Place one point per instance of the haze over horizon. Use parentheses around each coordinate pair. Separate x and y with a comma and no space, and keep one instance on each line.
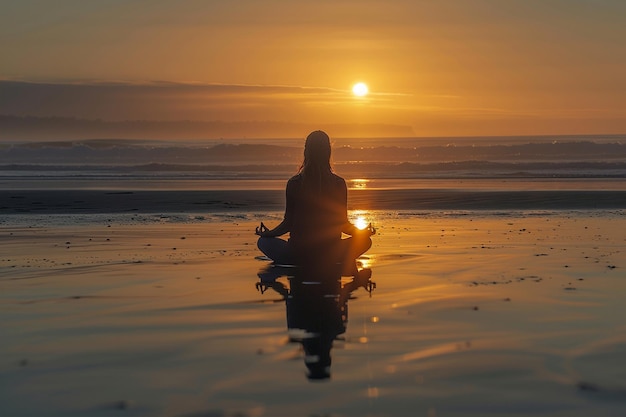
(279,69)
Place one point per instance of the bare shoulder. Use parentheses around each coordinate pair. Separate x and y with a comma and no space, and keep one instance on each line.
(339,180)
(295,179)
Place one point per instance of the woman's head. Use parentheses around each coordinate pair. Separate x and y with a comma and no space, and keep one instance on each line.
(317,152)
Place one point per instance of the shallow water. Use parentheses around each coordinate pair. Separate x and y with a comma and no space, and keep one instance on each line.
(499,313)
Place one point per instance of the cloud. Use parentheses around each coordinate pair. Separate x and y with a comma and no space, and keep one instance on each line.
(178,110)
(151,100)
(16,128)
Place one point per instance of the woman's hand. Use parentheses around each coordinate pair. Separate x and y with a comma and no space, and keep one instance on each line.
(262,230)
(352,230)
(279,230)
(368,231)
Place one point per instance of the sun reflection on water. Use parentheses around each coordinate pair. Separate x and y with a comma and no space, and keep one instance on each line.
(360,223)
(364,262)
(359,183)
(360,218)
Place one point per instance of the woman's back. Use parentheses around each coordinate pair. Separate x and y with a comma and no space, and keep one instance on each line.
(316,209)
(316,214)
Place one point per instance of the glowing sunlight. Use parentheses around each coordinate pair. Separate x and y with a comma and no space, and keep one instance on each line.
(360,89)
(360,223)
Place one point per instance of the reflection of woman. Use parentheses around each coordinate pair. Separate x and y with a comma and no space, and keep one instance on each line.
(316,304)
(315,214)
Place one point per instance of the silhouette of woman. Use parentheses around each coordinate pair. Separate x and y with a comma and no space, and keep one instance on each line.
(315,215)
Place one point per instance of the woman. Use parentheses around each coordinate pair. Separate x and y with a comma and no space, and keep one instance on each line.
(315,215)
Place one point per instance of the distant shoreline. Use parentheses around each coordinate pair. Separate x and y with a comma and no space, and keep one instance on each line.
(196,201)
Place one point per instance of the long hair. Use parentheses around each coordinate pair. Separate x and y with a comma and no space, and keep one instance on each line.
(315,168)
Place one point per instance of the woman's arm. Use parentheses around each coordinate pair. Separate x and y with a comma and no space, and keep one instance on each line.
(285,225)
(347,227)
(279,230)
(352,230)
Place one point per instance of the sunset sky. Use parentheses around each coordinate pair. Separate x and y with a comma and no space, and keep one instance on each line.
(434,68)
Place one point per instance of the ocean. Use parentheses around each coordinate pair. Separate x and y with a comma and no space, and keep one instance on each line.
(465,173)
(558,162)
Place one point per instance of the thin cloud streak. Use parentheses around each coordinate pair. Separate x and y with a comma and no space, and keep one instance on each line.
(161,100)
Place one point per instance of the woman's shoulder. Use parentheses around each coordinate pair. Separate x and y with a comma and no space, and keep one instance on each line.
(296,178)
(294,181)
(337,179)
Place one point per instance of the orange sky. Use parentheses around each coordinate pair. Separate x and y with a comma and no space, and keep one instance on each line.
(465,67)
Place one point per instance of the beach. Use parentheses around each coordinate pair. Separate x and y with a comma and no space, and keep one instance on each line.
(474,313)
(131,284)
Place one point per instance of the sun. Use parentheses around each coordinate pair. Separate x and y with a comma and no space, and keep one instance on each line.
(360,89)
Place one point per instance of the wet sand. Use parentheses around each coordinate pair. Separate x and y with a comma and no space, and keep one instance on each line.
(515,313)
(194,201)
